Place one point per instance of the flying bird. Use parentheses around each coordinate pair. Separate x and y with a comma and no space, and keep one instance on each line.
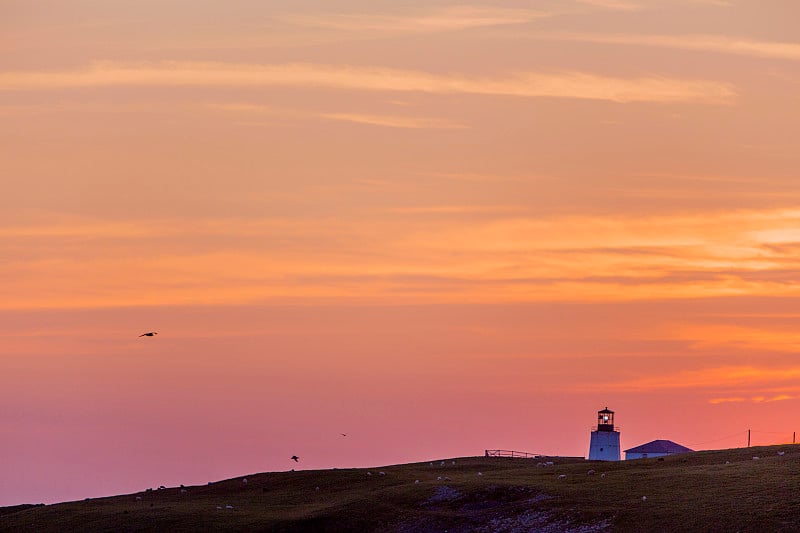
(343,434)
(295,458)
(149,334)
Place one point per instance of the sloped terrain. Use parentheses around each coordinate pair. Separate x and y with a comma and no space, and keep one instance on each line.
(723,490)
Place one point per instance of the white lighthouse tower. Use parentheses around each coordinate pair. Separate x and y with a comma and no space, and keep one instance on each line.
(604,445)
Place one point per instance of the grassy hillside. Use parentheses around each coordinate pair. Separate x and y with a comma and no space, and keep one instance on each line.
(703,491)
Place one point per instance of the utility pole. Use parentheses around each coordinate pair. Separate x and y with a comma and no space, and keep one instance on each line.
(794,434)
(748,438)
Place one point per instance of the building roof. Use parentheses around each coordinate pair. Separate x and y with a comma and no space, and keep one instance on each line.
(660,446)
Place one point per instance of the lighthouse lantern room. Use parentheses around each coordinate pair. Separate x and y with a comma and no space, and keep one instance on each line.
(605,420)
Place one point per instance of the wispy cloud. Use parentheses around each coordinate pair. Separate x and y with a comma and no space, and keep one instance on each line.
(389,121)
(617,5)
(705,43)
(471,177)
(456,209)
(447,18)
(578,85)
(718,3)
(394,121)
(732,336)
(754,399)
(733,399)
(489,252)
(718,378)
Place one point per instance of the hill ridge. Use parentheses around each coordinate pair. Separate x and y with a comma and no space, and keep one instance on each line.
(719,490)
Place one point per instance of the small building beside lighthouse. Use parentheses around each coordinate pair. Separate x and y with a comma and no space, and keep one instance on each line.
(604,445)
(656,448)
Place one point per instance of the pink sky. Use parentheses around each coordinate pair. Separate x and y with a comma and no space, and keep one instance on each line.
(437,227)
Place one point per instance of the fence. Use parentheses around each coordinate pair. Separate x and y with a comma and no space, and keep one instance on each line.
(512,453)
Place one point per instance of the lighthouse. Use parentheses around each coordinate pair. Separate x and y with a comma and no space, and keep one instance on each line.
(604,445)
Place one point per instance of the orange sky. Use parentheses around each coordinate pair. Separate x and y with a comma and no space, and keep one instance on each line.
(438,227)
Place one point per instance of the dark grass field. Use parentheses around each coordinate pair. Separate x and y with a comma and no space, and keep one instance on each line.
(724,491)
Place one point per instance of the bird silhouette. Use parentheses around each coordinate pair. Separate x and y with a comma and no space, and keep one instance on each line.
(343,434)
(149,334)
(295,458)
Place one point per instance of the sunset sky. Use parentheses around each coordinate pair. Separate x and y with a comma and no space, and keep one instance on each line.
(438,227)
